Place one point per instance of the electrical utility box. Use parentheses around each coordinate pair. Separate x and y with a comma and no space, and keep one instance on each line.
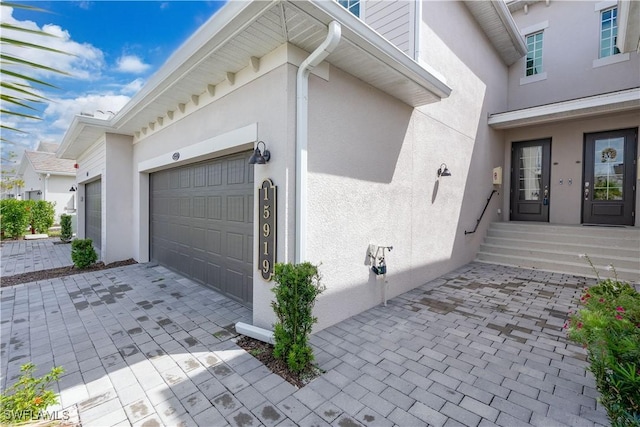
(497,175)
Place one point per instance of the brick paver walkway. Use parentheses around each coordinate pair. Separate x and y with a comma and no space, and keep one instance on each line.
(140,345)
(25,256)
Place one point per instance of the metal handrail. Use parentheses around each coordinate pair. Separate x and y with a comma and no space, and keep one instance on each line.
(482,214)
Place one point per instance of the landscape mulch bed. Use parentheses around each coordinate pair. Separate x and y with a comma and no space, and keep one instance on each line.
(264,353)
(59,272)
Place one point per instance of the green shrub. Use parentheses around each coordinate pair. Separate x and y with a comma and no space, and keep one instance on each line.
(28,397)
(66,233)
(608,325)
(296,291)
(42,215)
(15,217)
(82,253)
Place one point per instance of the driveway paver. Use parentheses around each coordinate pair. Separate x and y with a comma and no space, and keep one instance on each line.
(26,256)
(140,345)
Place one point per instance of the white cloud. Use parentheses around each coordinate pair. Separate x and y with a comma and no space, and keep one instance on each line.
(61,111)
(81,61)
(133,87)
(131,64)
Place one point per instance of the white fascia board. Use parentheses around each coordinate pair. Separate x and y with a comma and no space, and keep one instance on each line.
(222,26)
(617,101)
(76,128)
(510,26)
(232,141)
(56,173)
(365,38)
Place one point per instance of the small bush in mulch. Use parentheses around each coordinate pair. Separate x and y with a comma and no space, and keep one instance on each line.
(59,272)
(264,353)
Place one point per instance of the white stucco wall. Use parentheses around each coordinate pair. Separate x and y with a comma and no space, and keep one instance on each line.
(567,157)
(117,227)
(373,163)
(571,46)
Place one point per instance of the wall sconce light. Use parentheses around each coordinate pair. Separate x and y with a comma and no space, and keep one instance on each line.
(73,188)
(39,193)
(257,158)
(443,171)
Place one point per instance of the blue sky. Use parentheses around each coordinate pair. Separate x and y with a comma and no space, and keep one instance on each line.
(116,47)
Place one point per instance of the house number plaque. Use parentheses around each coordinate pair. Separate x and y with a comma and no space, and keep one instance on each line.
(267,229)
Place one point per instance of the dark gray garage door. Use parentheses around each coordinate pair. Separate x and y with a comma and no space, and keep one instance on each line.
(202,223)
(93,212)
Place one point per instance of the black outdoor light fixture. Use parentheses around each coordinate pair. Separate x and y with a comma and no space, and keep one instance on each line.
(73,188)
(257,158)
(443,171)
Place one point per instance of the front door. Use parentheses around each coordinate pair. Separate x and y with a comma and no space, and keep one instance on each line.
(609,176)
(530,179)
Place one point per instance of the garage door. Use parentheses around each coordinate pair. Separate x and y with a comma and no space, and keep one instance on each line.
(93,212)
(202,223)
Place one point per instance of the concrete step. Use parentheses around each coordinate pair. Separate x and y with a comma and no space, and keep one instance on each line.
(568,236)
(556,254)
(578,269)
(557,248)
(565,247)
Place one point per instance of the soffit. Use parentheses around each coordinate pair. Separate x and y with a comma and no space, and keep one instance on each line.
(497,23)
(241,30)
(614,102)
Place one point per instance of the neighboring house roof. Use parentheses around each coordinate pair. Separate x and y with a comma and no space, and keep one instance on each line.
(48,147)
(242,32)
(44,162)
(496,21)
(614,102)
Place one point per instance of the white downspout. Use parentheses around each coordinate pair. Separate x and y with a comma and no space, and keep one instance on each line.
(46,186)
(302,137)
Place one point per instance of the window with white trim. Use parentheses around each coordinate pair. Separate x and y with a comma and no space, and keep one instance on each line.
(608,32)
(534,54)
(352,6)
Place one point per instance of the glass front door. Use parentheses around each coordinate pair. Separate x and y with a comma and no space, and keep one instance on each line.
(530,197)
(609,176)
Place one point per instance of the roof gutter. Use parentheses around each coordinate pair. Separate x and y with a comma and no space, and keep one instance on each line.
(302,133)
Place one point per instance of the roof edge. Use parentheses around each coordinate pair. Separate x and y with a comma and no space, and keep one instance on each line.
(76,127)
(624,100)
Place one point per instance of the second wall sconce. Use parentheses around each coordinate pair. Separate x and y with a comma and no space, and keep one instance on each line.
(443,171)
(258,158)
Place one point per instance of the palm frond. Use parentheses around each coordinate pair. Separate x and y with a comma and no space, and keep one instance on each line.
(6,26)
(16,113)
(21,43)
(16,60)
(28,78)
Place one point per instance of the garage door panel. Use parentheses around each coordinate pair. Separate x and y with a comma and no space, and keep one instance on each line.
(199,207)
(214,207)
(214,174)
(200,176)
(214,242)
(93,212)
(235,208)
(235,283)
(201,223)
(236,171)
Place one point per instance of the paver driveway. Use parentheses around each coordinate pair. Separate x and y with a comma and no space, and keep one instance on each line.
(482,345)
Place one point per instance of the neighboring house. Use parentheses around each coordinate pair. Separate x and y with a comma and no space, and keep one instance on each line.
(361,115)
(49,178)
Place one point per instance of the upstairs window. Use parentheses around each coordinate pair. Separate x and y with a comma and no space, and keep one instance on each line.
(352,6)
(608,32)
(534,54)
